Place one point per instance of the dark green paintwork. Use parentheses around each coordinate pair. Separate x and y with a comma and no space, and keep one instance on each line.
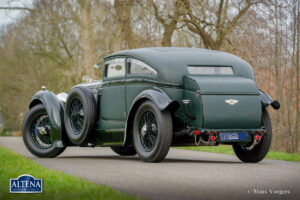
(156,95)
(210,108)
(219,115)
(171,62)
(55,110)
(119,97)
(223,85)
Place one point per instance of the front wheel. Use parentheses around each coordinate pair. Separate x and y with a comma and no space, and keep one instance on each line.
(36,131)
(152,132)
(260,150)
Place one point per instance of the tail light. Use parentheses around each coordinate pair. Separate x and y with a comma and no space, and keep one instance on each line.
(262,133)
(257,137)
(196,132)
(213,138)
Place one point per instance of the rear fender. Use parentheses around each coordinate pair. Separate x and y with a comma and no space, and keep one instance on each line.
(266,100)
(55,111)
(156,95)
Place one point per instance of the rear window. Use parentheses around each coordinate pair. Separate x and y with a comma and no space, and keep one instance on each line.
(210,70)
(138,67)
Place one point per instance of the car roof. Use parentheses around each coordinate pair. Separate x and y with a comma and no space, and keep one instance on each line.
(171,62)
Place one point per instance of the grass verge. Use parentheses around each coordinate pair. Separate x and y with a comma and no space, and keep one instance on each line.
(56,185)
(227,149)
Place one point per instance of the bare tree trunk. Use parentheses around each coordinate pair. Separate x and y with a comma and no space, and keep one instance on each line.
(290,92)
(87,38)
(123,13)
(297,129)
(167,35)
(277,79)
(169,25)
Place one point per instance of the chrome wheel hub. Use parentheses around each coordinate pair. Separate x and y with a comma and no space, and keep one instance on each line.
(144,130)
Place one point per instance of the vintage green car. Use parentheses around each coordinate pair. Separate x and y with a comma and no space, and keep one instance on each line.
(154,98)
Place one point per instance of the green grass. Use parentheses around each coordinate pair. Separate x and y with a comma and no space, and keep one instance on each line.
(227,149)
(56,185)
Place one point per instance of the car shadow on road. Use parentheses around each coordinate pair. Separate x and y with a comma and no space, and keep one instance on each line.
(104,157)
(176,160)
(135,158)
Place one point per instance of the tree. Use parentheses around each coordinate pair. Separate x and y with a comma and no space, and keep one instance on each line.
(213,29)
(297,66)
(123,15)
(169,23)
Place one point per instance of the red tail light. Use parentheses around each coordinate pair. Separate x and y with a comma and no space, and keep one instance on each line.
(213,138)
(196,132)
(257,137)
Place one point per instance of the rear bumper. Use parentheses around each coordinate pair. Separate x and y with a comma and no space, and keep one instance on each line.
(225,135)
(213,137)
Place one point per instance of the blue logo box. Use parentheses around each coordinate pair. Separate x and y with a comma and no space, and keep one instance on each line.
(26,184)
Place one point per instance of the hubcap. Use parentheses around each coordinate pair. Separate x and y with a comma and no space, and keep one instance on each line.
(148,130)
(76,115)
(40,131)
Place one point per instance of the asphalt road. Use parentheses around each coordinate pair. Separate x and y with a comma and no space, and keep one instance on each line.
(183,175)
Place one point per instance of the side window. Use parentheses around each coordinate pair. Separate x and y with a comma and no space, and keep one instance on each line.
(138,67)
(115,67)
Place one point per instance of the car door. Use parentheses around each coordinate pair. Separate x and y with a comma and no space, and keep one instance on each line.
(112,103)
(140,76)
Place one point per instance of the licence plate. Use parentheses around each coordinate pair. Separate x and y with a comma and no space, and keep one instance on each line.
(233,136)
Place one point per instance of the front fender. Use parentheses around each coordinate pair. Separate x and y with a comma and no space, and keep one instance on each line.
(55,111)
(157,96)
(266,100)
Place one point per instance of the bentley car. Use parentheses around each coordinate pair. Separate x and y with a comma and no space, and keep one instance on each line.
(151,99)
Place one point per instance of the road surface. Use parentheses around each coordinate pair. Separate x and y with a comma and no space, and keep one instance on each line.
(183,175)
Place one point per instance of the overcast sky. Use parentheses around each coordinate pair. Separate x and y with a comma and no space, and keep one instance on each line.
(9,16)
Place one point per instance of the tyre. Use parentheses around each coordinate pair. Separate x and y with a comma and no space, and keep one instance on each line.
(260,150)
(124,150)
(152,132)
(36,131)
(80,115)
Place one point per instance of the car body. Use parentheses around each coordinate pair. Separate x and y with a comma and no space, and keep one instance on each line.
(197,96)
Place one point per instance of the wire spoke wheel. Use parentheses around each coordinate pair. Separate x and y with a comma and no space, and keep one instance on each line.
(148,130)
(37,131)
(80,115)
(152,132)
(76,115)
(40,131)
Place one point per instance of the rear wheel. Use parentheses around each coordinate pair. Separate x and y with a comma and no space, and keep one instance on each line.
(258,152)
(124,150)
(152,132)
(36,131)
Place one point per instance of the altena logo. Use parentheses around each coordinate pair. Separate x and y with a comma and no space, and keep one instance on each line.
(26,184)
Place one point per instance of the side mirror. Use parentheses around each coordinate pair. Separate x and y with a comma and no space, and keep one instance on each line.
(97,67)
